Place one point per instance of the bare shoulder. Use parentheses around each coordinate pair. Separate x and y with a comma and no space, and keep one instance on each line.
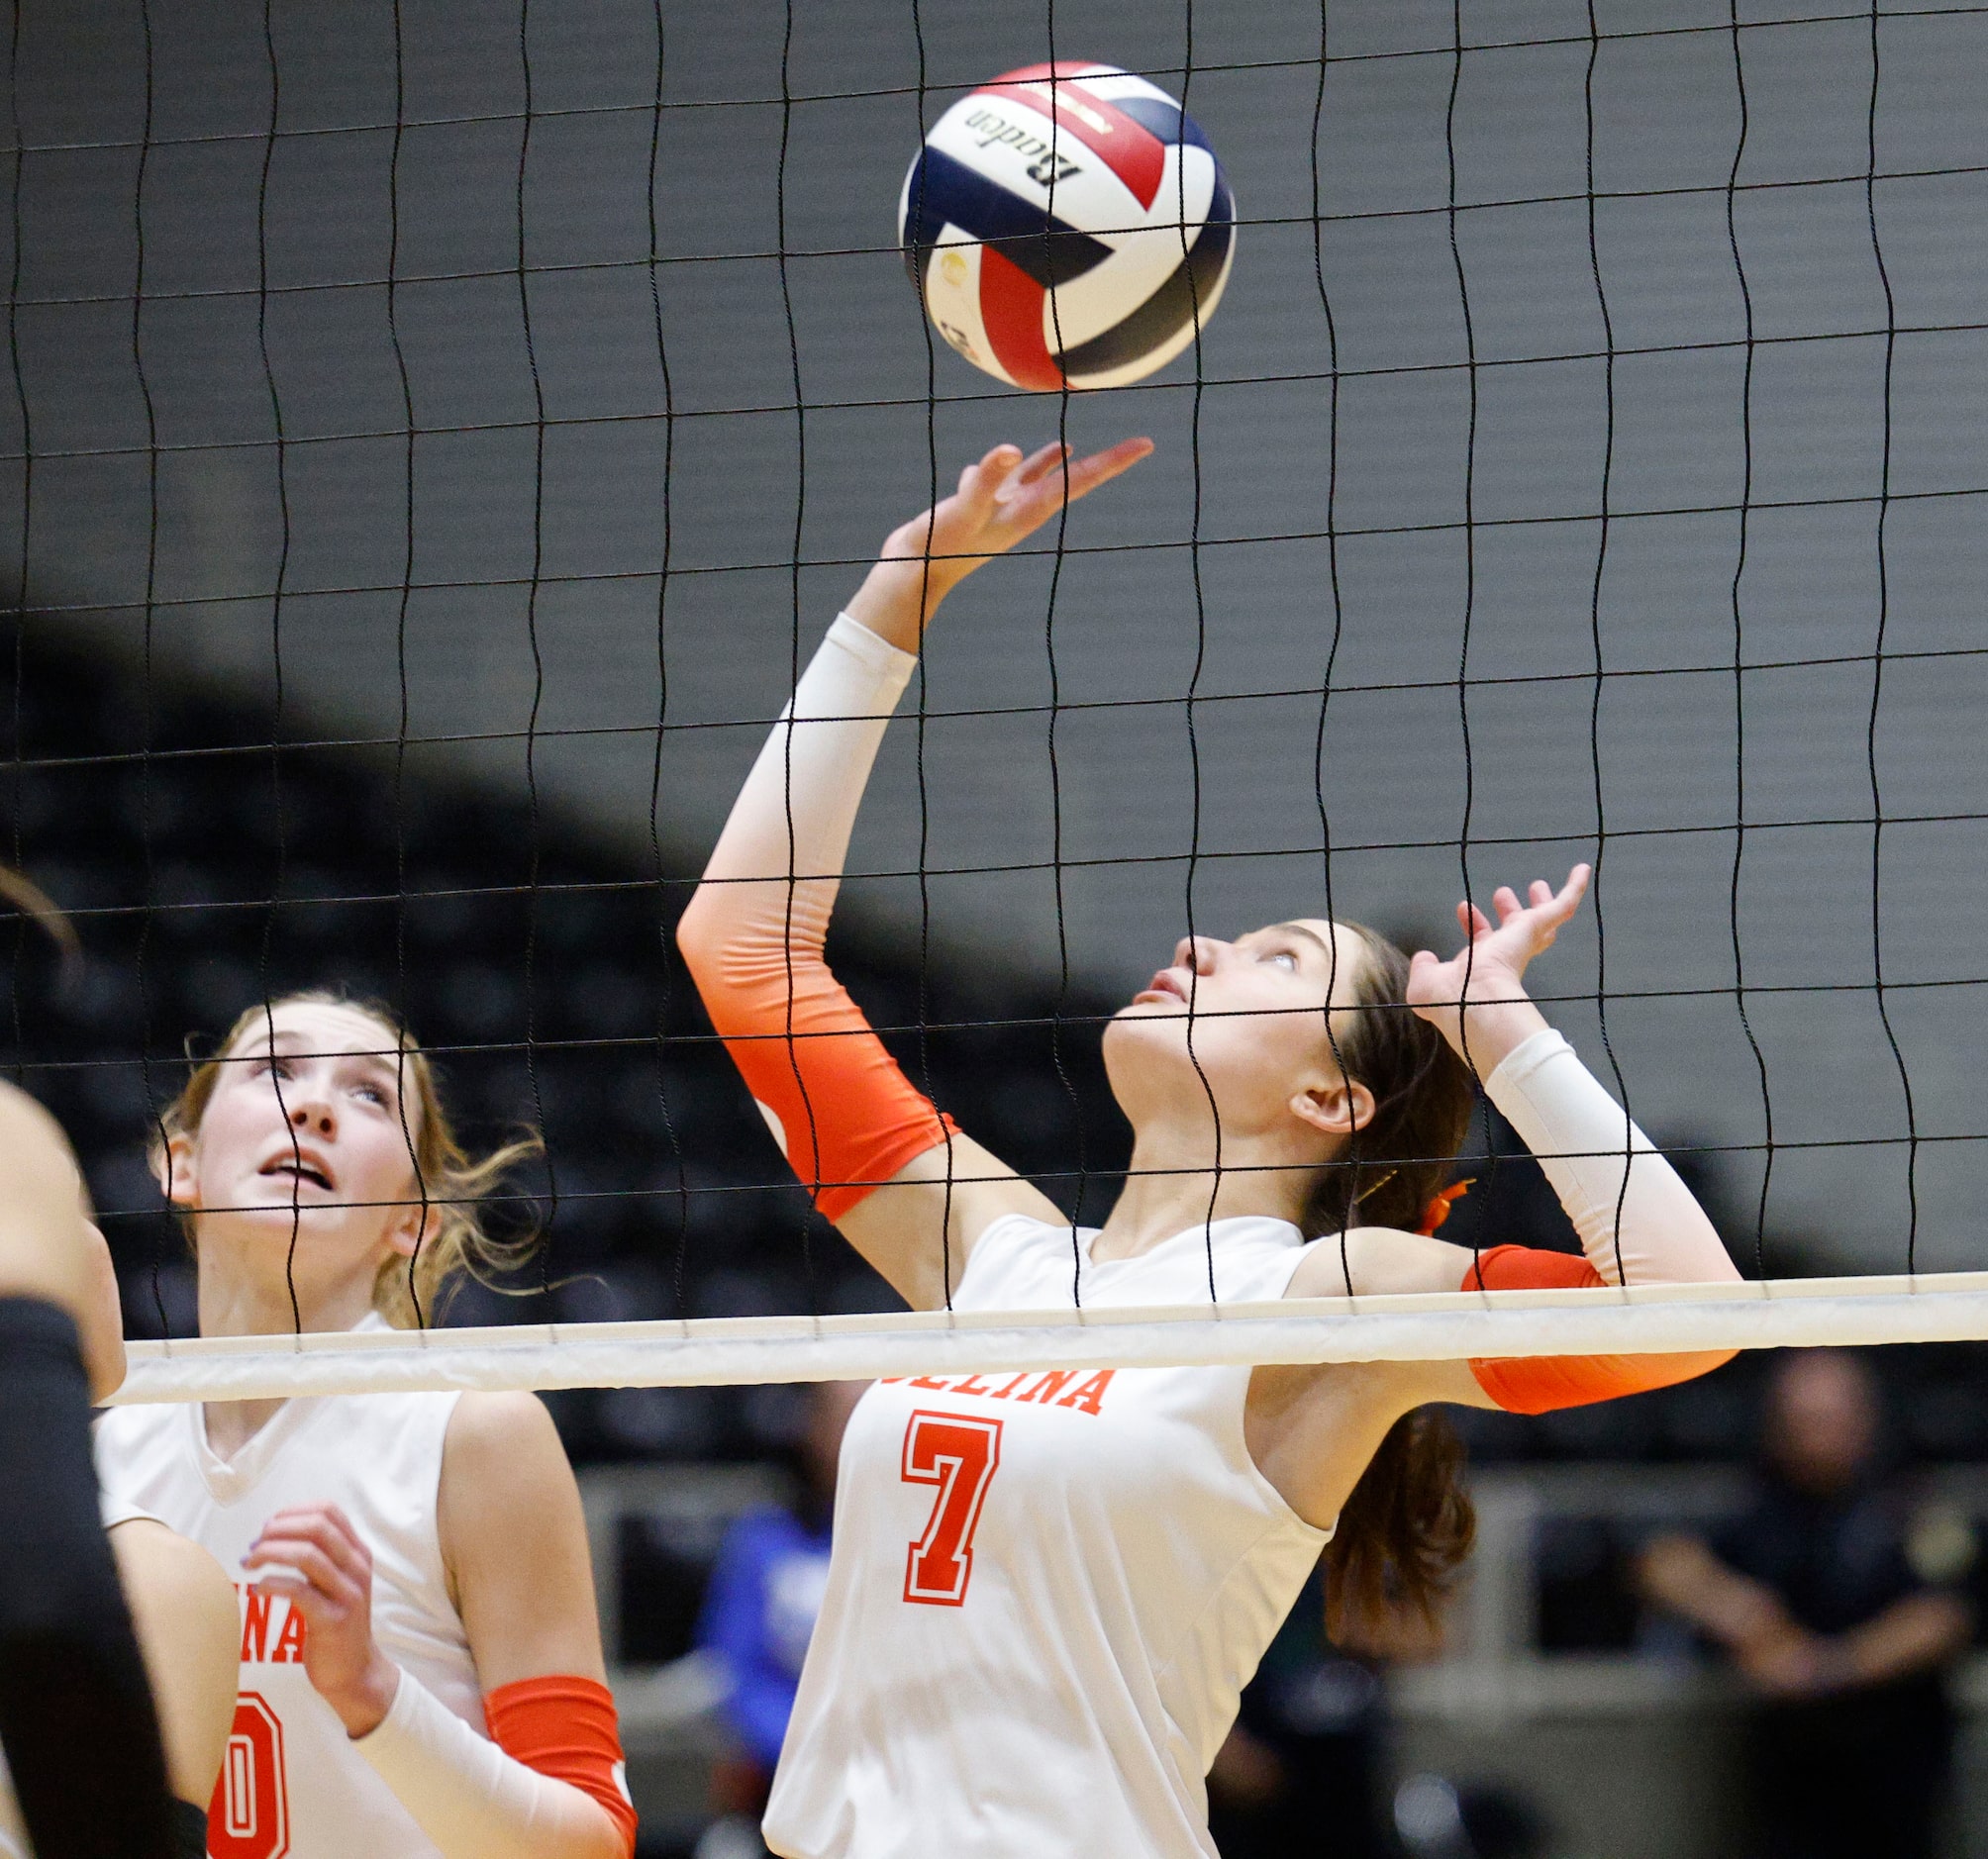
(508,1490)
(501,1445)
(168,1578)
(1380,1261)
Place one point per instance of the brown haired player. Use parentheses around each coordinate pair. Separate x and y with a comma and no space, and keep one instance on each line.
(1048,1590)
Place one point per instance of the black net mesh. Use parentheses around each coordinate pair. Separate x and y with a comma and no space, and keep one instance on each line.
(437,432)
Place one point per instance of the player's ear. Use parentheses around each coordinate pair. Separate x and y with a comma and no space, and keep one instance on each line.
(1334,1107)
(414,1228)
(174,1167)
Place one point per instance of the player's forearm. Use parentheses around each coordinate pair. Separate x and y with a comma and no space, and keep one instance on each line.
(471,1799)
(1490,1030)
(779,863)
(845,1116)
(1638,1221)
(899,596)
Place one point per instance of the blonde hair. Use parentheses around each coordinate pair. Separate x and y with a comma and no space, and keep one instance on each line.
(408,1292)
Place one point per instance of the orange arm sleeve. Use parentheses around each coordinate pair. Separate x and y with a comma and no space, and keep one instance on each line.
(845,1116)
(1538,1384)
(566,1728)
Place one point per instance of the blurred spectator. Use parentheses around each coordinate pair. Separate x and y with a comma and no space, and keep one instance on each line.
(759,1612)
(1436,1820)
(1302,1775)
(1838,1604)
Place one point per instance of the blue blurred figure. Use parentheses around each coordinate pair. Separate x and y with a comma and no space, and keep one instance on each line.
(766,1587)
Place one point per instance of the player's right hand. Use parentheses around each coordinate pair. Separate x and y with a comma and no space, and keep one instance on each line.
(313,1557)
(1001,500)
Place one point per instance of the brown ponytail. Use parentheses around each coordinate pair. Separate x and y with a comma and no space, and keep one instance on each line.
(1408,1525)
(1403,1533)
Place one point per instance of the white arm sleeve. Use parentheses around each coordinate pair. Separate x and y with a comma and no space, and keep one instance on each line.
(472,1800)
(811,773)
(1638,1221)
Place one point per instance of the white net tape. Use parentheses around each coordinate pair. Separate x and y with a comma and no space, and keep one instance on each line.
(1649,1320)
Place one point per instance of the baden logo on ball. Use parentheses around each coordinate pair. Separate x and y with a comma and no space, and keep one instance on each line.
(1067,225)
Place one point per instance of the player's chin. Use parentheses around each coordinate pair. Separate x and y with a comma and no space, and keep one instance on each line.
(1150,1021)
(285,1212)
(1150,1033)
(1152,1003)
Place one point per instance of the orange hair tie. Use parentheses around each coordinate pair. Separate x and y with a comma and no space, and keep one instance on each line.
(1438,1209)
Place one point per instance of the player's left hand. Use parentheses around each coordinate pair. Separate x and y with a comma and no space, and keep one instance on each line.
(1490,967)
(314,1557)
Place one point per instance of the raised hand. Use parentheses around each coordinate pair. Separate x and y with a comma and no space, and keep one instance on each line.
(1485,978)
(1001,500)
(313,1557)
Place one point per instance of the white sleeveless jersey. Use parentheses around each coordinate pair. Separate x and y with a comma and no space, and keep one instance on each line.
(13,1834)
(1047,1590)
(292,1786)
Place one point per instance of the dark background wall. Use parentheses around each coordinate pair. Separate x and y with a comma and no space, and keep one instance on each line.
(1630,408)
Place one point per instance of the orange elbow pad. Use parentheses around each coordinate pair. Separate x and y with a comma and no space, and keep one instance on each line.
(564,1727)
(1538,1384)
(845,1116)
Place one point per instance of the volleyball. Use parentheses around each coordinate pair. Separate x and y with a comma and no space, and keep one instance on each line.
(1067,225)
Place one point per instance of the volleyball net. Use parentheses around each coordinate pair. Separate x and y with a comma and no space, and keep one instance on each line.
(1046,1354)
(434,448)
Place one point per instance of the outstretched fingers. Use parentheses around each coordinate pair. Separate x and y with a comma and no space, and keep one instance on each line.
(1050,478)
(1086,474)
(1040,463)
(1540,917)
(982,482)
(1558,906)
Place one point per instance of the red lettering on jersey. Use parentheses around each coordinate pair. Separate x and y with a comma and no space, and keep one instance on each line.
(254,1626)
(959,1453)
(972,1385)
(1001,1394)
(1090,1393)
(1053,1382)
(291,1643)
(929,1381)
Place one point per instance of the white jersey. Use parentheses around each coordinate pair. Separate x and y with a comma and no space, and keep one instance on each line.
(292,1782)
(13,1834)
(1047,1590)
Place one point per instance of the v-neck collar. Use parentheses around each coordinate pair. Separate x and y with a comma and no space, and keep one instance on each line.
(229,1480)
(1206,1235)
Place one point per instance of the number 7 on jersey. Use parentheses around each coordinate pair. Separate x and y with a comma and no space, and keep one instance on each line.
(959,1453)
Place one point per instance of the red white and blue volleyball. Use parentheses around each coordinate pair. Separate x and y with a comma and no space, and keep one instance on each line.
(1067,225)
